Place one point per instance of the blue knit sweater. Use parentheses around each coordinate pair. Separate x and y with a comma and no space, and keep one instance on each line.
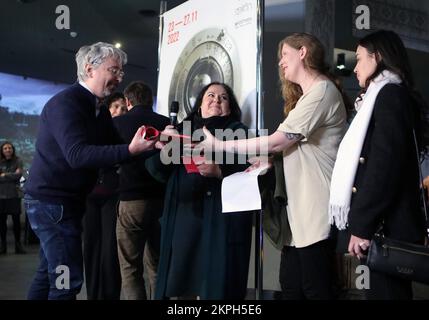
(72,143)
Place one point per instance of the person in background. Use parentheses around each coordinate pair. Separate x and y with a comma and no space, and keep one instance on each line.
(375,183)
(76,137)
(100,254)
(141,199)
(308,138)
(11,169)
(116,104)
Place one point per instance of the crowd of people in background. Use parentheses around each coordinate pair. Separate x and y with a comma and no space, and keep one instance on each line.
(143,218)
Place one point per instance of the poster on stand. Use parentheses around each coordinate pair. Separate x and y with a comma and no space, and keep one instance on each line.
(204,42)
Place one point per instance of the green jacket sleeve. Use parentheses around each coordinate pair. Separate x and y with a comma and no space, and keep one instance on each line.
(274,200)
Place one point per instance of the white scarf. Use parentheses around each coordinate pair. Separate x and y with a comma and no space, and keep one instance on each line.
(349,151)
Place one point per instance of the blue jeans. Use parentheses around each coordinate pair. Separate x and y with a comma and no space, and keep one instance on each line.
(60,273)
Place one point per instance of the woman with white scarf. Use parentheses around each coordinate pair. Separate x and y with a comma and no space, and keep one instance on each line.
(376,178)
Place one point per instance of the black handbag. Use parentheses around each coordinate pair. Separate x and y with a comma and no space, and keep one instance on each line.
(399,258)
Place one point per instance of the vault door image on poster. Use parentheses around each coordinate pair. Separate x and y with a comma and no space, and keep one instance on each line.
(209,56)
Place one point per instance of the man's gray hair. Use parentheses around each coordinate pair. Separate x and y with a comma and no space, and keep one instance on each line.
(96,54)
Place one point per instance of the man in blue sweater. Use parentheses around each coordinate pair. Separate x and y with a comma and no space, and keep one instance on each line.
(75,138)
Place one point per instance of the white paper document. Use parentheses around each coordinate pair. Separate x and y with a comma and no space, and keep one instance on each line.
(240,191)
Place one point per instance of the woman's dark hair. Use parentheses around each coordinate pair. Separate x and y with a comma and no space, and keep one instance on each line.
(2,157)
(233,103)
(392,56)
(113,97)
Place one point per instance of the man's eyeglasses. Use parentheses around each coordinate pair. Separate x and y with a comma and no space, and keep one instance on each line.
(116,72)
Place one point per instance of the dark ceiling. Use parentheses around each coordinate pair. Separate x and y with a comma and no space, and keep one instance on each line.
(32,46)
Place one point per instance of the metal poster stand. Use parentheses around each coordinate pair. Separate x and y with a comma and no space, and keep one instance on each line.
(259,232)
(259,124)
(162,10)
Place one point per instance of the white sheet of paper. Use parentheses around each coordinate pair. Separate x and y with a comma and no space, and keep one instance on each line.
(240,191)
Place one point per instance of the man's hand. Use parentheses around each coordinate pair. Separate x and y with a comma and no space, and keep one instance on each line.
(139,144)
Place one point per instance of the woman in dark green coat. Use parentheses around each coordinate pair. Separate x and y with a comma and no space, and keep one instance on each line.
(204,252)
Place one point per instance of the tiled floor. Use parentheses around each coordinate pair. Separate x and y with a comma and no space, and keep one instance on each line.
(17,271)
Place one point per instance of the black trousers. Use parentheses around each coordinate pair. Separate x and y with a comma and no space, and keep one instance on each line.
(102,273)
(12,207)
(308,273)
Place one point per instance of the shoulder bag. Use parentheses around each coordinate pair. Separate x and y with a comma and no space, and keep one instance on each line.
(398,258)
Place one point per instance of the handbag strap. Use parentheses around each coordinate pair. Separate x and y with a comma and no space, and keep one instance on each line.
(421,177)
(413,122)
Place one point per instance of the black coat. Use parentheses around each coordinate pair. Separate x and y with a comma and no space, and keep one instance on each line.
(204,252)
(386,187)
(135,182)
